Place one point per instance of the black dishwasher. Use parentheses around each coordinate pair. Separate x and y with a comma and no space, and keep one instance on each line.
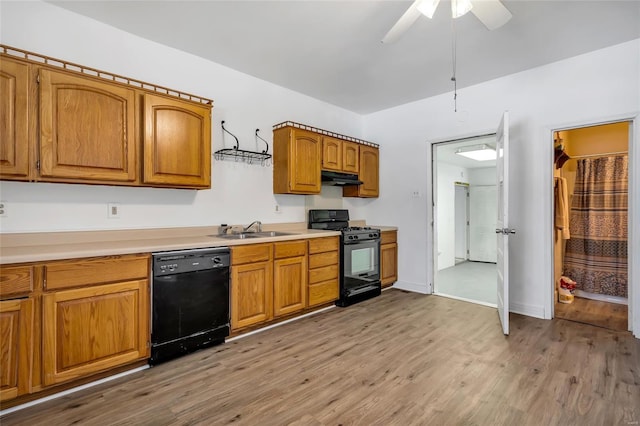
(190,301)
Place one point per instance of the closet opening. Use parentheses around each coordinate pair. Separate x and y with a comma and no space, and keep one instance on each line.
(590,220)
(465,214)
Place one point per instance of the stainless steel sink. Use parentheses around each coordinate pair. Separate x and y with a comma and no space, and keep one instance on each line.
(273,233)
(239,236)
(243,235)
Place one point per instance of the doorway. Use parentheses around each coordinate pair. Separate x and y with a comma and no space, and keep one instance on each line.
(465,200)
(591,193)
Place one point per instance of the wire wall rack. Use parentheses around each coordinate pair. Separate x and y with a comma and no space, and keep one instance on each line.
(237,154)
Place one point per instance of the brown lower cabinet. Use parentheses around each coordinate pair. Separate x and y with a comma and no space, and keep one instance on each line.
(267,281)
(66,320)
(324,270)
(388,257)
(16,351)
(92,329)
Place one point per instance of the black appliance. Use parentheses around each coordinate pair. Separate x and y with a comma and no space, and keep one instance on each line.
(339,178)
(359,255)
(190,301)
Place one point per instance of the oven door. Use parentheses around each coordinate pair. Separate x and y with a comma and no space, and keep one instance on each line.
(361,265)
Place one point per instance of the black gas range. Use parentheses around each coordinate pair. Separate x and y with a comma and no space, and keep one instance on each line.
(359,255)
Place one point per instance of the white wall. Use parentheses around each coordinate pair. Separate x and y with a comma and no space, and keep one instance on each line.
(240,193)
(447,176)
(589,88)
(482,176)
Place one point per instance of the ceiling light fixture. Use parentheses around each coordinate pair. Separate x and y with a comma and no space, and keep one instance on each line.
(478,153)
(458,7)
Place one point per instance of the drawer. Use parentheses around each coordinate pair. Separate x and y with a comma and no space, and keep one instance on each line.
(323,259)
(323,274)
(324,292)
(99,270)
(251,253)
(15,280)
(290,249)
(320,245)
(388,237)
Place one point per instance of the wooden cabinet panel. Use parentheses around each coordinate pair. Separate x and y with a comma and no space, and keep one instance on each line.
(290,249)
(92,329)
(331,153)
(177,142)
(369,174)
(388,258)
(387,237)
(251,294)
(251,253)
(290,284)
(296,161)
(75,273)
(324,259)
(324,292)
(87,129)
(16,347)
(15,281)
(320,245)
(350,157)
(14,119)
(324,273)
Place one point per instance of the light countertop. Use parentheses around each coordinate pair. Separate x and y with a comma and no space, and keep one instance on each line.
(38,247)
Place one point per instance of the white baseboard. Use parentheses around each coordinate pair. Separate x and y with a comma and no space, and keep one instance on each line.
(421,288)
(535,311)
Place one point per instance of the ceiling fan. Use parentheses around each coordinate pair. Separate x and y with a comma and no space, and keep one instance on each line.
(491,13)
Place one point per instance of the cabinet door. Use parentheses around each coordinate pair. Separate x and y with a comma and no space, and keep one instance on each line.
(16,350)
(304,156)
(14,146)
(289,285)
(350,157)
(177,143)
(87,129)
(368,174)
(92,329)
(331,153)
(251,294)
(388,263)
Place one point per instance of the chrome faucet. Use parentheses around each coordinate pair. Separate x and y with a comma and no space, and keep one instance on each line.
(255,222)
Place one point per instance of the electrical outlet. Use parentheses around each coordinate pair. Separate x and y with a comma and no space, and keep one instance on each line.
(113,211)
(415,194)
(277,209)
(3,209)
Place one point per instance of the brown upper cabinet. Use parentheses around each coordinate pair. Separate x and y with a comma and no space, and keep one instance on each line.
(73,124)
(369,174)
(296,161)
(87,128)
(14,125)
(301,152)
(339,155)
(177,142)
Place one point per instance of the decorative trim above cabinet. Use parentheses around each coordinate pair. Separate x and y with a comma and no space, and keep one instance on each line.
(322,132)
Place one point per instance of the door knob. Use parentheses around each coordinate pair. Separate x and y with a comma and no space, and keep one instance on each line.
(505,231)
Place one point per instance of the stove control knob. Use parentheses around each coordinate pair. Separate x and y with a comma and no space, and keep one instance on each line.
(217,260)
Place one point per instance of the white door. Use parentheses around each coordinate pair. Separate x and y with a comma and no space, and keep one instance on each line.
(502,224)
(482,223)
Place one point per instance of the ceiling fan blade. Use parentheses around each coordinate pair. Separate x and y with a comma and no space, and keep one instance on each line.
(492,13)
(403,24)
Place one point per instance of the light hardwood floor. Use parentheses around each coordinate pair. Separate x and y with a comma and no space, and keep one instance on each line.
(602,314)
(399,359)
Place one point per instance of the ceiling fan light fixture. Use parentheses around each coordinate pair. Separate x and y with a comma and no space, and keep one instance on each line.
(478,153)
(460,7)
(428,7)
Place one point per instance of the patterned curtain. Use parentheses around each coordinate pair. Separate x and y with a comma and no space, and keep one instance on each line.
(596,254)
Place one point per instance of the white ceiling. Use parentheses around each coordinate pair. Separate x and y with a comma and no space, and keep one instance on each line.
(331,49)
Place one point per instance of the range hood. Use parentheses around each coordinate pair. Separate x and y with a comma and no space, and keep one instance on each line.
(339,179)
